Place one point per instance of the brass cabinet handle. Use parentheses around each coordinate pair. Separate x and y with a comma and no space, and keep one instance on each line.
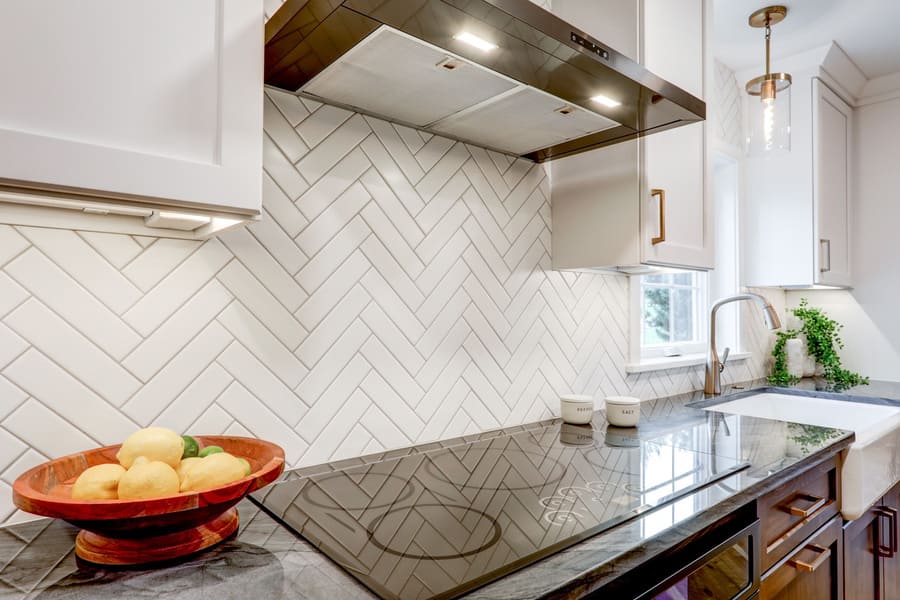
(891,513)
(817,503)
(662,216)
(827,245)
(824,555)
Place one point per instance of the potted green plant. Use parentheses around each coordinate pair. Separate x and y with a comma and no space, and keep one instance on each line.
(823,342)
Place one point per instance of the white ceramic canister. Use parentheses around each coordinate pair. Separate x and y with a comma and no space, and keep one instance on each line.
(576,409)
(623,411)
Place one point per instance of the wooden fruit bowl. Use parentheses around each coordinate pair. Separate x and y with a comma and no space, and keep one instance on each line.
(131,532)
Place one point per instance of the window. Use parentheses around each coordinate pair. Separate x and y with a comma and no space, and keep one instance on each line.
(672,309)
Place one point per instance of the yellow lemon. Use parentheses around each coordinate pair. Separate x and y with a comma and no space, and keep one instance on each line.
(185,464)
(148,479)
(156,443)
(212,471)
(99,482)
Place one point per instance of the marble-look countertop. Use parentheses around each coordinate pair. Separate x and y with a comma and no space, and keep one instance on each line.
(266,560)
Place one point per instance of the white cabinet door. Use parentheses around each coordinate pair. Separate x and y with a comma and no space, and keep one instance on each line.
(832,123)
(159,100)
(675,161)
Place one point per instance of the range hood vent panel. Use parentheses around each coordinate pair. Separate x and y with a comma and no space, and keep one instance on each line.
(396,76)
(384,57)
(522,122)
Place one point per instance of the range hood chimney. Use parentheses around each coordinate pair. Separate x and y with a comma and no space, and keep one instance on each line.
(502,74)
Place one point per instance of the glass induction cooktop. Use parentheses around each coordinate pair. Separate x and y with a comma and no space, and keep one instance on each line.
(437,524)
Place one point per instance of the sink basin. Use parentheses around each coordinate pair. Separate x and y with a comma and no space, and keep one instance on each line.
(872,464)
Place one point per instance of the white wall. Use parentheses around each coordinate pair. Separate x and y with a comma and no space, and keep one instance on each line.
(871,311)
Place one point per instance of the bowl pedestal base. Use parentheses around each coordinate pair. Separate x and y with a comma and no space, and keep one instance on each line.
(104,550)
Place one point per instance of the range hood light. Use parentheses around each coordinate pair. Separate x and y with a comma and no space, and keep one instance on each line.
(474,40)
(606,101)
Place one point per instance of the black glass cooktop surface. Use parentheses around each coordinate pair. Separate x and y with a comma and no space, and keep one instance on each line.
(437,524)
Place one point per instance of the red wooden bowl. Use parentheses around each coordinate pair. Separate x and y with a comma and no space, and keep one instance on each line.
(129,532)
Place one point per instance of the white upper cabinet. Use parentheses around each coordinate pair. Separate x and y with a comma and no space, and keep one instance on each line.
(141,105)
(796,213)
(642,202)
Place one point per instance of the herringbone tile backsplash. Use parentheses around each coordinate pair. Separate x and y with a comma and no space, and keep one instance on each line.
(398,289)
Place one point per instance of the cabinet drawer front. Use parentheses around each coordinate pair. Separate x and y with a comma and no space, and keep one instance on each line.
(812,571)
(791,512)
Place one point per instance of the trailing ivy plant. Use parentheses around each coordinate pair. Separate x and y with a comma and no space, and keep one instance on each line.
(823,343)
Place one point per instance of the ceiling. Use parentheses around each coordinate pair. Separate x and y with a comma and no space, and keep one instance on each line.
(865,29)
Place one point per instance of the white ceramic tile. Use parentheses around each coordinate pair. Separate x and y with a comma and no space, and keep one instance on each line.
(346,311)
(395,241)
(441,233)
(394,210)
(273,275)
(327,443)
(282,133)
(392,371)
(212,421)
(393,272)
(10,397)
(444,200)
(262,383)
(342,175)
(392,304)
(278,243)
(65,346)
(282,171)
(46,432)
(157,261)
(11,294)
(281,208)
(254,296)
(177,287)
(332,364)
(323,123)
(321,302)
(11,345)
(27,460)
(333,218)
(345,138)
(263,344)
(392,174)
(87,266)
(262,422)
(342,245)
(288,104)
(70,301)
(11,448)
(195,400)
(11,244)
(392,142)
(173,335)
(116,248)
(329,401)
(436,149)
(177,375)
(391,336)
(69,398)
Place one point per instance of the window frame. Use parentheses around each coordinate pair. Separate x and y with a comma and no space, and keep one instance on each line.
(675,350)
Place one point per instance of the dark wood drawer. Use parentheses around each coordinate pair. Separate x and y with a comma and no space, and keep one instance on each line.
(813,571)
(793,511)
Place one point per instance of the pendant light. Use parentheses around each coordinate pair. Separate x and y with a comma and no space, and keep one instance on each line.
(769,114)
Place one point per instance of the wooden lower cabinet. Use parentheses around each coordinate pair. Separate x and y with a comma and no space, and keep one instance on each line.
(871,553)
(811,571)
(889,533)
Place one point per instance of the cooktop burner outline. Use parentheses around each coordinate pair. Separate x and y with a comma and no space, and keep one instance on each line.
(495,537)
(307,491)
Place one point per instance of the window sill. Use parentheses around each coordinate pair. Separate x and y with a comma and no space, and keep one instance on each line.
(675,362)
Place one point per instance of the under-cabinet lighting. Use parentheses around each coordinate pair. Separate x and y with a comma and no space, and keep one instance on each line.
(473,40)
(606,101)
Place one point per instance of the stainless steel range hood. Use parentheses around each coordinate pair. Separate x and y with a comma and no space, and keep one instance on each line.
(537,87)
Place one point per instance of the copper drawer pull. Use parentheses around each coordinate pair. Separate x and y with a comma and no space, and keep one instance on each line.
(824,555)
(662,216)
(891,514)
(817,503)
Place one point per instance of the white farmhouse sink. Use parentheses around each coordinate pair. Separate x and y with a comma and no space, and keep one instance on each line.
(872,465)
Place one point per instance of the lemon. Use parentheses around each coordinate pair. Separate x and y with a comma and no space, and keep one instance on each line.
(191,447)
(99,482)
(148,479)
(185,464)
(210,450)
(247,468)
(212,471)
(156,443)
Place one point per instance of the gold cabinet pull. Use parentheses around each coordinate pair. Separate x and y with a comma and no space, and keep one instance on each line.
(824,554)
(662,216)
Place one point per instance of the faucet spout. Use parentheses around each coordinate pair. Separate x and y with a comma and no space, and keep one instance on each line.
(715,366)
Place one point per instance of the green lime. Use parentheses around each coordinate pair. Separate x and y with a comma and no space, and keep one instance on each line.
(247,468)
(191,447)
(210,450)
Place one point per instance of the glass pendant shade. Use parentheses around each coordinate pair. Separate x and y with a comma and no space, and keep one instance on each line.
(769,114)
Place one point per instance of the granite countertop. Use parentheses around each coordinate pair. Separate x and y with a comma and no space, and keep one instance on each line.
(266,560)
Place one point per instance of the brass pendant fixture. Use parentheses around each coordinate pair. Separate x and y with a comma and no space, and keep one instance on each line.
(769,119)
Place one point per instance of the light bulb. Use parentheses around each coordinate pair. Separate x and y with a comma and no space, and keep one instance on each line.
(768,122)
